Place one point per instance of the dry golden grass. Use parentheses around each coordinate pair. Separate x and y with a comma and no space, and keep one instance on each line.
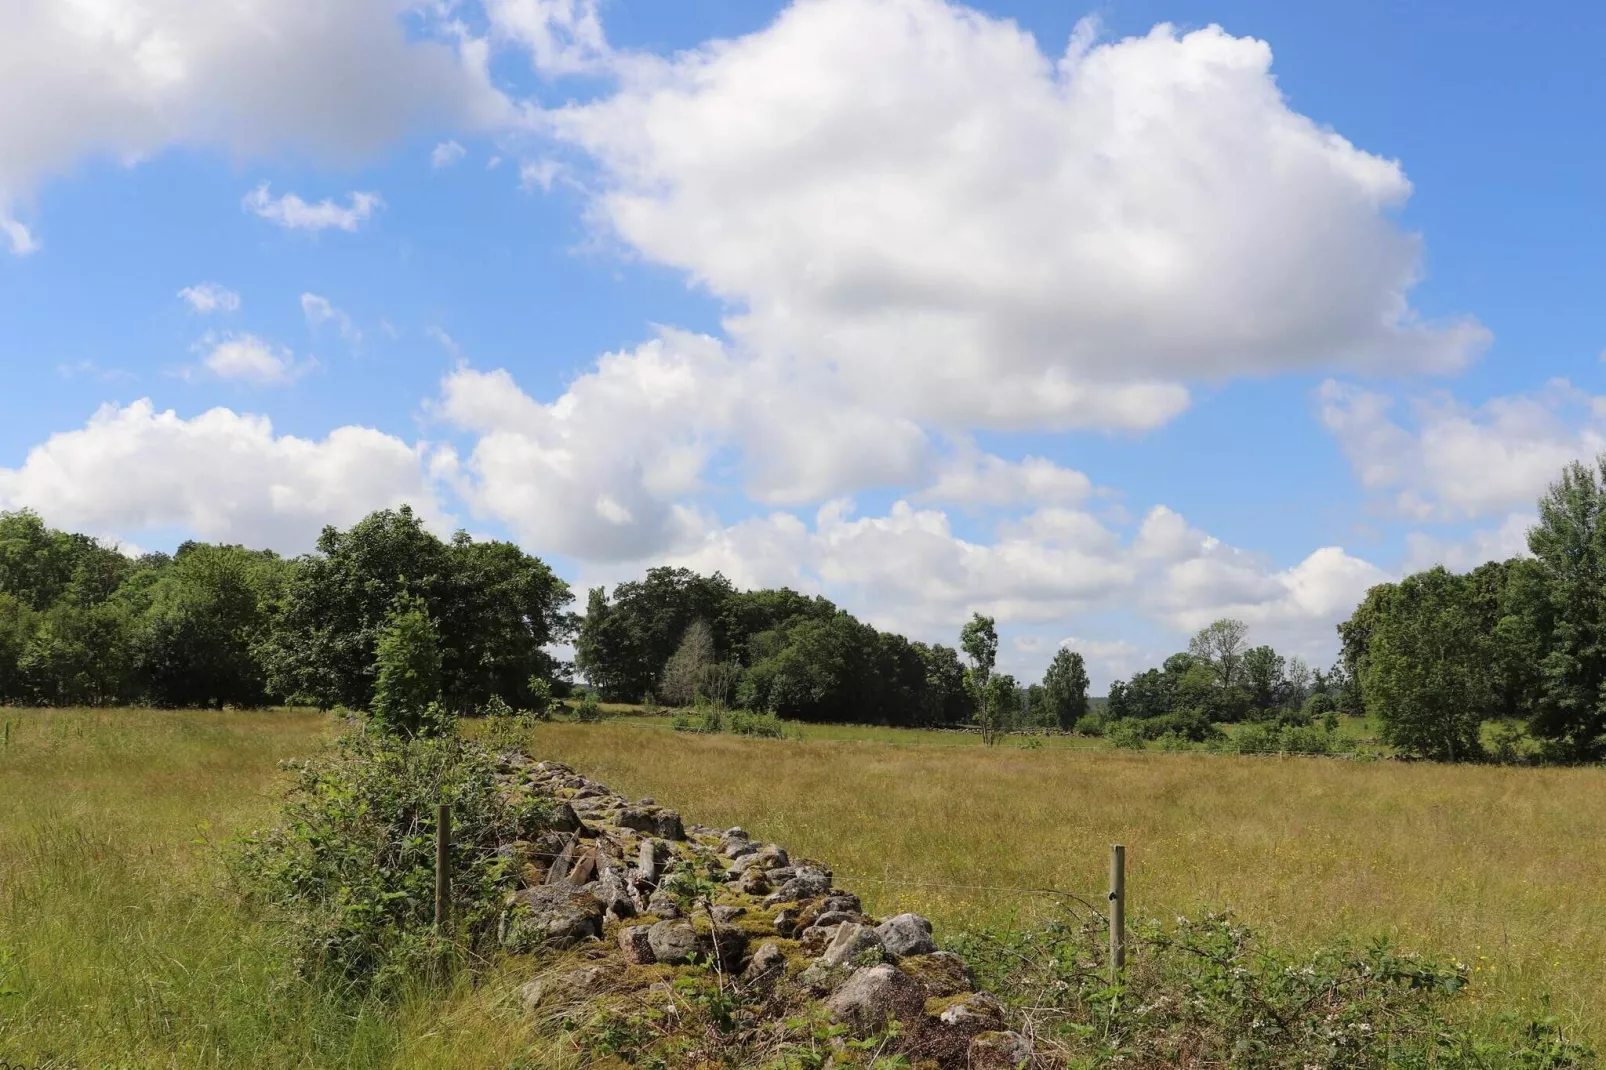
(120,947)
(1498,866)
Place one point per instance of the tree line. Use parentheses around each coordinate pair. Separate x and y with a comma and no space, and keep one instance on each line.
(222,625)
(678,637)
(1439,655)
(1221,679)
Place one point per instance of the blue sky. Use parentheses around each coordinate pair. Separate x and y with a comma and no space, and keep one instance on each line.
(1104,328)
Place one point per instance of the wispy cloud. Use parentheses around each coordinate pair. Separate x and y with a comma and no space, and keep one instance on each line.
(210,297)
(21,238)
(446,154)
(294,213)
(248,359)
(319,311)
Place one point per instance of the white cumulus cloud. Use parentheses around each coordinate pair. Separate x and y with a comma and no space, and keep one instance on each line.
(318,310)
(913,194)
(125,80)
(562,36)
(1453,461)
(220,475)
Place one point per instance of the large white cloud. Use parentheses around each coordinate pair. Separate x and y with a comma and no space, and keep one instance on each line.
(221,475)
(608,469)
(1196,578)
(1452,461)
(126,78)
(915,196)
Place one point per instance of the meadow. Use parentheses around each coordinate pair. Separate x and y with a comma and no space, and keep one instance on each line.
(121,944)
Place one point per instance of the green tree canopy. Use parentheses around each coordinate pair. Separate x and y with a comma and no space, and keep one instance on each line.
(1065,688)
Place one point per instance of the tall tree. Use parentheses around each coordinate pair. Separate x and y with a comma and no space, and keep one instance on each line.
(1065,688)
(1568,618)
(495,607)
(206,622)
(1221,644)
(683,675)
(623,650)
(1264,677)
(979,640)
(1426,668)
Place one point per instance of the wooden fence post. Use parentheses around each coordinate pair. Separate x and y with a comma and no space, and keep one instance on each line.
(443,865)
(1117,911)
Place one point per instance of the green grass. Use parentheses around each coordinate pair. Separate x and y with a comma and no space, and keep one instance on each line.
(121,944)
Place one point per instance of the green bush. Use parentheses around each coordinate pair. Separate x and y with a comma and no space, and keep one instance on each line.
(540,698)
(1284,739)
(407,674)
(1204,993)
(708,719)
(1128,734)
(1089,725)
(352,863)
(589,711)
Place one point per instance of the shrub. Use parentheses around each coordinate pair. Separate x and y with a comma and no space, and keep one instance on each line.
(407,675)
(1127,734)
(504,729)
(1204,993)
(1171,741)
(1089,725)
(540,698)
(710,719)
(1284,739)
(590,710)
(352,863)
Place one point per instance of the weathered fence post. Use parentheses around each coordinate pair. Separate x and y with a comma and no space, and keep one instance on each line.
(1117,910)
(443,865)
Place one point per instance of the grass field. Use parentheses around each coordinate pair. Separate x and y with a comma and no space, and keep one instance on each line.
(121,946)
(1498,866)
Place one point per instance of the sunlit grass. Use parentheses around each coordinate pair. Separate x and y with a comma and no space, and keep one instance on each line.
(1499,866)
(122,946)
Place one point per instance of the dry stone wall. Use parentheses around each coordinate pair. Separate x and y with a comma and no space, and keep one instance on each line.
(629,888)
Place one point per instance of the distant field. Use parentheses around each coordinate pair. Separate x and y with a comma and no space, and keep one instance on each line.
(119,946)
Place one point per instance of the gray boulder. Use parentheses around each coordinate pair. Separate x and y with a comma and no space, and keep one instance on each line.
(907,934)
(564,819)
(999,1051)
(635,946)
(769,963)
(550,916)
(977,1012)
(850,943)
(574,984)
(673,942)
(873,994)
(807,882)
(654,821)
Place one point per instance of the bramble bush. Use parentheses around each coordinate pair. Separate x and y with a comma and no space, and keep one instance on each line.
(1284,739)
(737,722)
(351,865)
(1203,993)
